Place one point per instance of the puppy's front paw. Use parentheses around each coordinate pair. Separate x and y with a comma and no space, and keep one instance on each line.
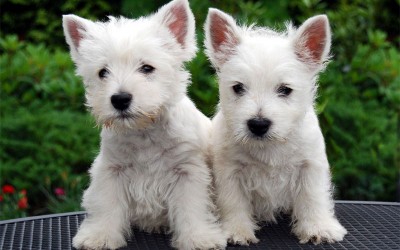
(242,238)
(93,238)
(203,239)
(318,232)
(240,234)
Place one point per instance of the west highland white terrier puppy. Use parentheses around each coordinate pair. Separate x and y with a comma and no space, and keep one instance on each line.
(269,152)
(152,167)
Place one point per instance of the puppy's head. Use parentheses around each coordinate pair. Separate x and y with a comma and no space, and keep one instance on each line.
(266,79)
(133,69)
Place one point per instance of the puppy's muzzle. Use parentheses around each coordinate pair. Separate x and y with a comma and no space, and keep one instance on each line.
(259,126)
(121,101)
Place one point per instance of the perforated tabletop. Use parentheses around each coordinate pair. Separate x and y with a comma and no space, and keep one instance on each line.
(369,225)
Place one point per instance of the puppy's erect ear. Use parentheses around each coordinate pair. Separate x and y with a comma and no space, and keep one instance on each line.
(312,41)
(222,36)
(75,29)
(177,17)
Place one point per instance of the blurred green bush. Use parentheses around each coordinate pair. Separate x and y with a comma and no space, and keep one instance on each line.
(39,20)
(46,134)
(48,139)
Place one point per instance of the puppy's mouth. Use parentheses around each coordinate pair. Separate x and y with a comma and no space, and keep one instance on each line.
(125,116)
(268,137)
(251,139)
(138,119)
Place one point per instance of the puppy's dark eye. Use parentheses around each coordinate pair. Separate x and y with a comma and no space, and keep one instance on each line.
(103,73)
(238,88)
(147,69)
(284,91)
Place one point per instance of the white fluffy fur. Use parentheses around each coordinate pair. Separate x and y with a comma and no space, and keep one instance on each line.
(152,170)
(287,170)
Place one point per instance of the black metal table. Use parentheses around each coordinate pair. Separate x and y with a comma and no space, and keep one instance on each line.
(370,225)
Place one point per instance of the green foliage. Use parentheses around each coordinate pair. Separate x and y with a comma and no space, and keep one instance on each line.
(40,20)
(361,119)
(13,203)
(45,130)
(31,72)
(135,9)
(72,187)
(204,89)
(48,139)
(39,144)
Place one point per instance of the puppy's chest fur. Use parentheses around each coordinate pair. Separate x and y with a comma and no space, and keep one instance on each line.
(270,178)
(144,152)
(148,165)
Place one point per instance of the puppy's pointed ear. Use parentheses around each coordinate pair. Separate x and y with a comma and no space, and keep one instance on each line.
(75,29)
(177,17)
(222,36)
(312,41)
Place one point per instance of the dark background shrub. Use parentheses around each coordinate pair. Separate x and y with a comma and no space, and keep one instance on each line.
(48,139)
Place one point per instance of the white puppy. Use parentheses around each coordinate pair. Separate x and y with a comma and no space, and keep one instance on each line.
(152,168)
(269,153)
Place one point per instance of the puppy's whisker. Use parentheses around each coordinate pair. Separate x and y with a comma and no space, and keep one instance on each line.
(149,115)
(108,122)
(241,137)
(245,139)
(276,136)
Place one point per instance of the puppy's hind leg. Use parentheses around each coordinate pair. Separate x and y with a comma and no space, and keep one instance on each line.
(106,203)
(189,210)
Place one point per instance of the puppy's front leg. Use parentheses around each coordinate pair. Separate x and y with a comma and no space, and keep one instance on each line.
(189,211)
(234,204)
(313,208)
(106,203)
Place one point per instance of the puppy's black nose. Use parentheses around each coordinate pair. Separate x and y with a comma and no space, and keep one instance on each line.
(258,126)
(121,101)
